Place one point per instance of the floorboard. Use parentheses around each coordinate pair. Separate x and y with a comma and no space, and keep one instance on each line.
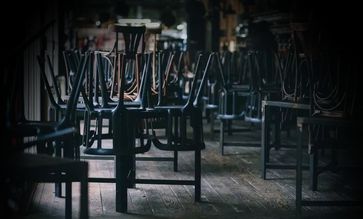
(231,187)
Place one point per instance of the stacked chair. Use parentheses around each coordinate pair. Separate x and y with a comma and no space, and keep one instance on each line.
(317,96)
(125,122)
(232,97)
(332,126)
(143,104)
(246,85)
(293,69)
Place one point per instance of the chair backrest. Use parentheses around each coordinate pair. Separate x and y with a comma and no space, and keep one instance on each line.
(76,87)
(145,84)
(44,78)
(71,60)
(54,81)
(197,99)
(103,66)
(194,82)
(76,90)
(335,85)
(293,67)
(132,36)
(166,61)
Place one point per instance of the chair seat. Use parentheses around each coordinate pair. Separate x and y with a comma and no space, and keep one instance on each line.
(39,167)
(231,116)
(34,125)
(241,87)
(211,106)
(114,104)
(80,106)
(99,151)
(31,128)
(103,110)
(253,119)
(170,107)
(43,161)
(189,145)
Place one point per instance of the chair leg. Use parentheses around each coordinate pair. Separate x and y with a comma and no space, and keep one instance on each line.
(197,176)
(122,170)
(313,171)
(221,136)
(229,124)
(83,214)
(99,127)
(212,124)
(131,176)
(109,126)
(76,150)
(130,161)
(87,129)
(176,130)
(298,187)
(277,130)
(175,162)
(265,141)
(68,213)
(58,186)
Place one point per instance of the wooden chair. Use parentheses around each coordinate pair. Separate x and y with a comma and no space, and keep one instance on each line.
(332,129)
(125,132)
(50,137)
(19,167)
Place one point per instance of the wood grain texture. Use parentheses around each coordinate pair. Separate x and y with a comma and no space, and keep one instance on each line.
(231,187)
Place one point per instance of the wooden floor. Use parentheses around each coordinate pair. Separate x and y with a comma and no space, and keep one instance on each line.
(231,188)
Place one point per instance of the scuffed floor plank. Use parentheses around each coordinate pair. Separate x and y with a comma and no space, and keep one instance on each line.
(231,188)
